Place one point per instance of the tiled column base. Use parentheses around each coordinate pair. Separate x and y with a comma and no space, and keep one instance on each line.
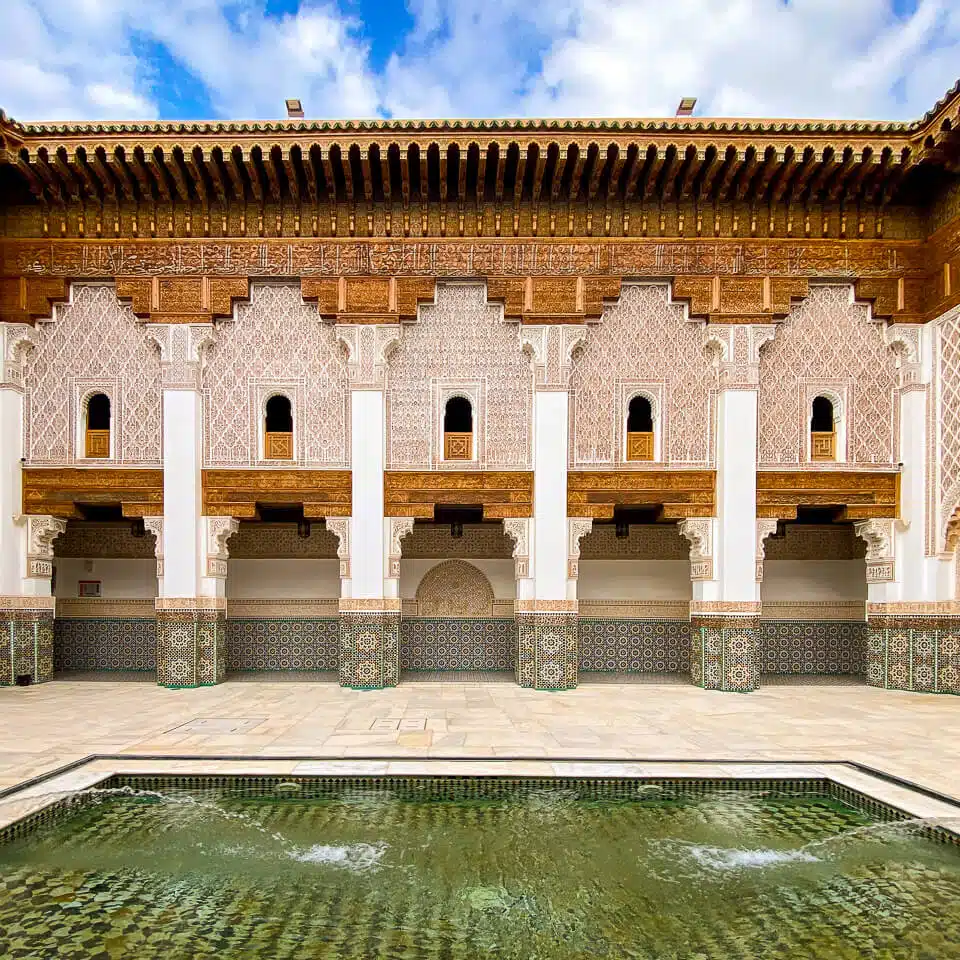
(724,653)
(548,648)
(191,642)
(26,640)
(369,647)
(914,653)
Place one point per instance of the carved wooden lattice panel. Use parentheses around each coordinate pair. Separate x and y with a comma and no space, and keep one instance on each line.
(639,446)
(641,337)
(461,336)
(275,337)
(827,337)
(93,338)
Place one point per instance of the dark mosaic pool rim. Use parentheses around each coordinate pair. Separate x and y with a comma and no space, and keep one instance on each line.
(427,787)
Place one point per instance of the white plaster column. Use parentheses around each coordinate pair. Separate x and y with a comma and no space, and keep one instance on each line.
(181,350)
(370,595)
(191,607)
(547,622)
(725,609)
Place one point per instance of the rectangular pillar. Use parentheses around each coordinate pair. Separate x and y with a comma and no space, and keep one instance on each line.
(370,614)
(547,624)
(725,612)
(191,609)
(913,613)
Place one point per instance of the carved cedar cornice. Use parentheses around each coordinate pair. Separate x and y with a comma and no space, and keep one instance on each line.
(27,298)
(678,494)
(161,299)
(502,494)
(57,491)
(370,299)
(236,493)
(857,495)
(552,299)
(738,300)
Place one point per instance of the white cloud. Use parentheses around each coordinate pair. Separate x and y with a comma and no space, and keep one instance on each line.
(802,58)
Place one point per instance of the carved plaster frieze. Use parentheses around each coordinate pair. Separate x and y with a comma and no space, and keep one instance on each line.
(15,340)
(551,348)
(41,532)
(340,528)
(368,347)
(218,531)
(577,529)
(181,352)
(736,352)
(700,534)
(399,528)
(878,533)
(154,525)
(518,530)
(764,529)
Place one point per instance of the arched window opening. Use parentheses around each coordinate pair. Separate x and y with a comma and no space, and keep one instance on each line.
(278,429)
(640,429)
(458,429)
(823,432)
(97,442)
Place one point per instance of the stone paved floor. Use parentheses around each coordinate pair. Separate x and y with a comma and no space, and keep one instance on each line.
(915,736)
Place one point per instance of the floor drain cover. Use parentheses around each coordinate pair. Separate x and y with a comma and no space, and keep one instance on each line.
(219,725)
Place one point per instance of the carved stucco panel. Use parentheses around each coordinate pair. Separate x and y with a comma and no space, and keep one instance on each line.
(828,339)
(93,340)
(643,337)
(454,588)
(460,337)
(948,415)
(275,339)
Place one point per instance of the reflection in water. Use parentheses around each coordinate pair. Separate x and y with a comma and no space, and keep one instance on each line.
(645,871)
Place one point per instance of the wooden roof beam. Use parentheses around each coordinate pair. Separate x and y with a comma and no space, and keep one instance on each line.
(82,169)
(652,174)
(695,164)
(640,164)
(103,174)
(385,174)
(538,175)
(347,173)
(232,164)
(774,163)
(209,159)
(178,172)
(616,169)
(405,175)
(118,165)
(253,174)
(195,168)
(273,176)
(141,173)
(309,173)
(878,176)
(734,161)
(827,165)
(424,176)
(671,169)
(462,174)
(745,175)
(442,157)
(577,174)
(51,180)
(481,173)
(599,163)
(801,179)
(710,168)
(66,174)
(838,179)
(785,174)
(367,174)
(290,169)
(328,175)
(860,172)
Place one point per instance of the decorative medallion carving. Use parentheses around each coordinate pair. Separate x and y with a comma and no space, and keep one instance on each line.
(454,588)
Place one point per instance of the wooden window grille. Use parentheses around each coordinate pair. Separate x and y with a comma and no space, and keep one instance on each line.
(278,445)
(458,429)
(278,432)
(823,433)
(457,446)
(640,445)
(97,439)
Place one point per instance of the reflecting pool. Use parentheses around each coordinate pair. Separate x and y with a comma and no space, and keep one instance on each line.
(461,868)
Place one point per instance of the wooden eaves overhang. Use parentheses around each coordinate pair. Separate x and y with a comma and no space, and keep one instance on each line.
(464,162)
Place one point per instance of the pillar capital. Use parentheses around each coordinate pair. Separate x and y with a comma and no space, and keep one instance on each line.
(699,532)
(181,352)
(368,347)
(217,531)
(765,528)
(15,340)
(551,348)
(41,532)
(879,535)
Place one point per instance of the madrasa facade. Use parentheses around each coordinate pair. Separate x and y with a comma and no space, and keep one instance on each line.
(367,401)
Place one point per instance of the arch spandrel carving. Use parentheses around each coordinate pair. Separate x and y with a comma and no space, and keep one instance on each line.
(454,588)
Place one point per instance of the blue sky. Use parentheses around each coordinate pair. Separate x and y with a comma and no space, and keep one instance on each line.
(239,59)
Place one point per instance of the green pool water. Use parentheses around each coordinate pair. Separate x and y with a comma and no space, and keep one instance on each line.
(460,869)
